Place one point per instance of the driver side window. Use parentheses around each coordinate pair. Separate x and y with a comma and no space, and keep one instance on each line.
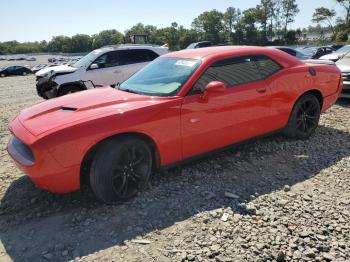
(109,59)
(231,71)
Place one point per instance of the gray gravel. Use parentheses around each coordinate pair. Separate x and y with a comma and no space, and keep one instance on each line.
(270,200)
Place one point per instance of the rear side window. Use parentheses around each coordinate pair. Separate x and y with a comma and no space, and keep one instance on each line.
(289,51)
(267,66)
(205,44)
(233,71)
(136,56)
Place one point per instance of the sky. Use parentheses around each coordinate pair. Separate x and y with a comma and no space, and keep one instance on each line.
(36,20)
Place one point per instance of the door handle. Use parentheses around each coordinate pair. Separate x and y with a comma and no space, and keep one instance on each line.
(261,90)
(116,72)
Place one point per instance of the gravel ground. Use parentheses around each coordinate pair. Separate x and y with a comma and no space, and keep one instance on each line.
(270,200)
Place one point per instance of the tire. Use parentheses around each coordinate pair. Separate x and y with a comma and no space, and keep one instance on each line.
(24,73)
(2,75)
(68,90)
(304,118)
(120,169)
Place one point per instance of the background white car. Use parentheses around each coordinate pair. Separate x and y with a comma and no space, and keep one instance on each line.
(105,66)
(336,55)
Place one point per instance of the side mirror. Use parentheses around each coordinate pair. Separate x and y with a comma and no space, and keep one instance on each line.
(215,86)
(94,66)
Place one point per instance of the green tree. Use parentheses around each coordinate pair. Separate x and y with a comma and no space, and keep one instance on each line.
(341,37)
(209,25)
(60,44)
(324,15)
(346,5)
(266,16)
(231,18)
(247,32)
(186,37)
(290,37)
(107,37)
(289,11)
(81,43)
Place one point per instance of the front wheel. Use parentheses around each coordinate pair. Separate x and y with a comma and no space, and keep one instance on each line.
(304,118)
(120,169)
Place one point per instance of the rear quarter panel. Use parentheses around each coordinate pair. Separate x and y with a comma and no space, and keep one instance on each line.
(289,84)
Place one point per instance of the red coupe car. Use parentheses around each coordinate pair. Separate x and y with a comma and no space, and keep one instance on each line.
(181,105)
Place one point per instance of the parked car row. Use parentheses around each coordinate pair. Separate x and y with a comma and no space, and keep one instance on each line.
(64,59)
(17,58)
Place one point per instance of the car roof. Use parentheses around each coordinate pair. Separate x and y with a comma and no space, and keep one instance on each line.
(128,46)
(222,52)
(199,53)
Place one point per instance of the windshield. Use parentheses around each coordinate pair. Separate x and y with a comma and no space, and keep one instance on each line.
(85,61)
(343,50)
(309,51)
(162,77)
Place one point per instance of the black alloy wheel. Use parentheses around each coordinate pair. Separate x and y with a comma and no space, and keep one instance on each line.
(121,168)
(308,116)
(304,117)
(131,172)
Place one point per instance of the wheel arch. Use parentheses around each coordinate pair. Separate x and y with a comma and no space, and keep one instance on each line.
(85,164)
(315,92)
(77,84)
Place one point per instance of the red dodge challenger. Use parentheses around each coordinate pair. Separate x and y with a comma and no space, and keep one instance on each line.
(181,105)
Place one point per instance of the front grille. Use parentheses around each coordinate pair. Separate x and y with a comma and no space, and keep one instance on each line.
(346,91)
(346,76)
(20,151)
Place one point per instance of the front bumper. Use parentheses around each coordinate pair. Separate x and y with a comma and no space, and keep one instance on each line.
(346,90)
(43,169)
(46,87)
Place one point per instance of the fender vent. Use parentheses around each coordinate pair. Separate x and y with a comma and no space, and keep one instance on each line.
(67,109)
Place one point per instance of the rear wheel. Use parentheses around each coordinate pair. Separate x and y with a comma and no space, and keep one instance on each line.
(304,118)
(120,169)
(24,73)
(2,75)
(68,90)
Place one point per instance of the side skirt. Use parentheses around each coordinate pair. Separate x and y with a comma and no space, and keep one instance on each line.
(215,151)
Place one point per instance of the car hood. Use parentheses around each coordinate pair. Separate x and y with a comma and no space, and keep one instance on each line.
(332,56)
(80,107)
(344,65)
(61,69)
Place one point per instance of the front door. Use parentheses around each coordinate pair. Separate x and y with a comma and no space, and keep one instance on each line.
(238,113)
(109,70)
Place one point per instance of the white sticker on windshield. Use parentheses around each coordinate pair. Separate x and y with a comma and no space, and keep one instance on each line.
(185,63)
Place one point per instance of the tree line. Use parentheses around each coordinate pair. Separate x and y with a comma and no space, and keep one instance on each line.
(266,24)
